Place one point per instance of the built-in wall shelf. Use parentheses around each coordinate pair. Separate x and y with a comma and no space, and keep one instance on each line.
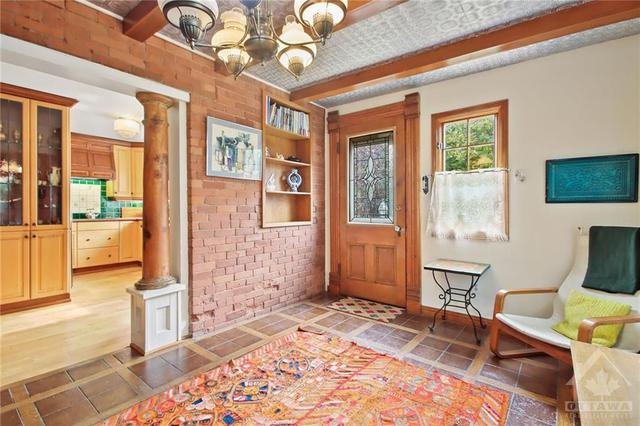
(285,135)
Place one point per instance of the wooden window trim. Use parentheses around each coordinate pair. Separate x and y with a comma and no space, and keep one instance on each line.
(499,108)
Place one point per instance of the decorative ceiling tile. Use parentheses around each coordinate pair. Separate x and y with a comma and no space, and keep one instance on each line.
(412,26)
(573,41)
(119,7)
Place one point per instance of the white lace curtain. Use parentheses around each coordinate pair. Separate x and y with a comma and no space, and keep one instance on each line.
(469,205)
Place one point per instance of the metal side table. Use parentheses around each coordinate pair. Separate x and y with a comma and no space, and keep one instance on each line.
(454,296)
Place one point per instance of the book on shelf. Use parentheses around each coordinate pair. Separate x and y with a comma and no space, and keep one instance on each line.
(286,118)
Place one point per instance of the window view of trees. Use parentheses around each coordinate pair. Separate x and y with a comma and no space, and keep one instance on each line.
(469,144)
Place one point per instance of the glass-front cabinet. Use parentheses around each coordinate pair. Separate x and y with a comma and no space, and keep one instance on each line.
(34,198)
(14,162)
(49,168)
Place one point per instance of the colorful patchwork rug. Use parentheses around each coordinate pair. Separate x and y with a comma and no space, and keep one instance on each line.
(314,379)
(366,308)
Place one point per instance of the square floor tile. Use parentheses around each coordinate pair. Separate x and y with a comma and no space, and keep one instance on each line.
(456,361)
(48,383)
(75,414)
(102,384)
(155,371)
(127,354)
(499,374)
(225,349)
(59,401)
(529,411)
(5,398)
(463,351)
(426,352)
(87,369)
(332,320)
(435,343)
(110,398)
(10,418)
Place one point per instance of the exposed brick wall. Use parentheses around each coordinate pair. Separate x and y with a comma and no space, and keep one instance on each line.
(237,268)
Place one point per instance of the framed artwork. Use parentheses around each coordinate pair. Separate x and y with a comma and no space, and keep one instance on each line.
(233,150)
(603,179)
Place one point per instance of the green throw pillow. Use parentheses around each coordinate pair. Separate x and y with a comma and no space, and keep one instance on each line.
(580,306)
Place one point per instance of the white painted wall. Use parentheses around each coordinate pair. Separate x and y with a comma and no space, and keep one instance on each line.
(578,103)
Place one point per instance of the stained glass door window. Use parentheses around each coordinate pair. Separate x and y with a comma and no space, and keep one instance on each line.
(371,181)
(13,152)
(49,166)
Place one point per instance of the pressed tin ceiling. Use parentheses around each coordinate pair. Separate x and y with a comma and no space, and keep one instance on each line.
(410,27)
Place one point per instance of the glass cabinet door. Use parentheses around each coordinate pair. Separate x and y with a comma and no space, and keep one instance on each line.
(14,156)
(49,130)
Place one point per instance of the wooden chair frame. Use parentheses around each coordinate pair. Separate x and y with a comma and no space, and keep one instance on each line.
(585,330)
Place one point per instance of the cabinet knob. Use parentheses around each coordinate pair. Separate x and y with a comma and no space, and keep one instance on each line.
(33,236)
(88,239)
(109,238)
(26,236)
(33,224)
(88,258)
(109,255)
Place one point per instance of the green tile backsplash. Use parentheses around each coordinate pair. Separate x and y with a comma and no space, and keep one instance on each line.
(108,208)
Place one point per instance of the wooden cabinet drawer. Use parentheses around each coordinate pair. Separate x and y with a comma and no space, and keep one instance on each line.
(98,226)
(95,239)
(97,256)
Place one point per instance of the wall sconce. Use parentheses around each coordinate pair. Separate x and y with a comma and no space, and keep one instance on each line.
(126,127)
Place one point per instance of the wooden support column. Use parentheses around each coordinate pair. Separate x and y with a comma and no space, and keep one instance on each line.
(155,211)
(412,179)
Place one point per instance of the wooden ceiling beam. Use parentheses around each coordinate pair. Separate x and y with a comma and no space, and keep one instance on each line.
(563,22)
(144,20)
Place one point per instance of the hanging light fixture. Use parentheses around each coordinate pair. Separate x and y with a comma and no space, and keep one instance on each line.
(128,128)
(248,36)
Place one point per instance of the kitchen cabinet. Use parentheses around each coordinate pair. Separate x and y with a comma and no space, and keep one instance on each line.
(92,157)
(49,263)
(129,162)
(107,242)
(130,242)
(34,198)
(14,266)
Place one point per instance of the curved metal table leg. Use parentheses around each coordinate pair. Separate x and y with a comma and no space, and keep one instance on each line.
(443,297)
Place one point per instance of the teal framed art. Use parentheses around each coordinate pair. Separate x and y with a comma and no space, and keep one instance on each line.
(602,179)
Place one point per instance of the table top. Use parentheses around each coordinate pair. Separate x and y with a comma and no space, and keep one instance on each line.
(606,377)
(457,266)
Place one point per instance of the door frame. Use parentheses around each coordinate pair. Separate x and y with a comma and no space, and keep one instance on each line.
(409,109)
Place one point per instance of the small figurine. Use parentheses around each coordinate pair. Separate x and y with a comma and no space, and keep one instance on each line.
(294,158)
(294,180)
(267,152)
(16,136)
(271,183)
(3,136)
(279,156)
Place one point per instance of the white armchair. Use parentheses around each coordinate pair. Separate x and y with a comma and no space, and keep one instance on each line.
(537,332)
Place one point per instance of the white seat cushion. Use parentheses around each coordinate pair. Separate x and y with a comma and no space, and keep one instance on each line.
(537,328)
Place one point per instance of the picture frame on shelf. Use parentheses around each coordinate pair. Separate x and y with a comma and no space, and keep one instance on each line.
(233,150)
(598,179)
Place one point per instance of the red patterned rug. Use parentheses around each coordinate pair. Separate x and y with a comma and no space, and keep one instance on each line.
(311,379)
(367,308)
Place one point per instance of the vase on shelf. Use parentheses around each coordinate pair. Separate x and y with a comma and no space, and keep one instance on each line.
(294,180)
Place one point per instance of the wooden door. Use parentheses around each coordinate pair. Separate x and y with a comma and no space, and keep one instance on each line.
(372,210)
(49,263)
(128,241)
(122,181)
(14,266)
(137,166)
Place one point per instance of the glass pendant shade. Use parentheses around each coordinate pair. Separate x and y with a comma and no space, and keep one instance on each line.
(322,16)
(234,22)
(206,11)
(295,58)
(234,58)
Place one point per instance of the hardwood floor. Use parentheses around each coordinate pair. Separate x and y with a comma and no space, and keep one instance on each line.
(96,321)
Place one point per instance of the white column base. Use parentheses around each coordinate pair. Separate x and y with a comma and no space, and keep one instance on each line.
(155,317)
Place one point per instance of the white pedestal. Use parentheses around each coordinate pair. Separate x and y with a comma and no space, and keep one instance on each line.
(155,317)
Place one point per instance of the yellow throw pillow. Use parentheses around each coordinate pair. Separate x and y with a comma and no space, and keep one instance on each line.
(580,306)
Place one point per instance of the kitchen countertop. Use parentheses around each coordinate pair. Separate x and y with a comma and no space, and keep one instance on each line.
(108,219)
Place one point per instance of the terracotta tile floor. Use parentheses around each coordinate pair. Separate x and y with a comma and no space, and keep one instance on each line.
(93,390)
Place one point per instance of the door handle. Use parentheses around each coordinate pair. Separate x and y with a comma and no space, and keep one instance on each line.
(398,230)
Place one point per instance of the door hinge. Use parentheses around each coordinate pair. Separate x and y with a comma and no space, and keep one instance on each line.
(439,145)
(337,147)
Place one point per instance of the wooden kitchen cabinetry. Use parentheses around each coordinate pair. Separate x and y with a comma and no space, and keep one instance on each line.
(107,242)
(129,162)
(92,157)
(34,198)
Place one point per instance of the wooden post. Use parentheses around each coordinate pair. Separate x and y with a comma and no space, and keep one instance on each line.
(155,211)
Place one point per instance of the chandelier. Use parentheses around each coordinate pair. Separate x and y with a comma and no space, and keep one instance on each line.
(248,36)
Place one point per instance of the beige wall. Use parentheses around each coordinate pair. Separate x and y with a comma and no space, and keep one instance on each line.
(578,103)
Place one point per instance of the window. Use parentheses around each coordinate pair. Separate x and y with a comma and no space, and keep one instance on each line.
(470,138)
(469,197)
(371,178)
